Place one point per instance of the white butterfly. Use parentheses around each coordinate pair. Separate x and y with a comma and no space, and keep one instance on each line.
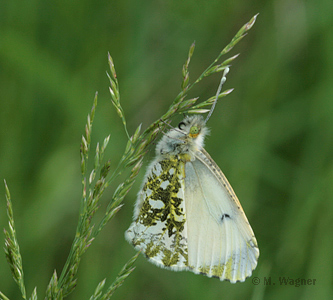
(187,216)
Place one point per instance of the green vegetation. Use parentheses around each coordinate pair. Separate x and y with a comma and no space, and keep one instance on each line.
(272,137)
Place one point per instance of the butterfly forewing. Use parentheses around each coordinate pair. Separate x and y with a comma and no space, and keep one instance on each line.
(221,243)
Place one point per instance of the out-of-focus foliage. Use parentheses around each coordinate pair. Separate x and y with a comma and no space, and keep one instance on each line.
(272,137)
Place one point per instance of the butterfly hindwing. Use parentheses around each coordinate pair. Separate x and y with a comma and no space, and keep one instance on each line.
(159,227)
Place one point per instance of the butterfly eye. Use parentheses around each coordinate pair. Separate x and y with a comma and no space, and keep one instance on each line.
(181,125)
(194,131)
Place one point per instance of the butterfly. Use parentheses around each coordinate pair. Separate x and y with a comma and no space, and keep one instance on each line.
(187,216)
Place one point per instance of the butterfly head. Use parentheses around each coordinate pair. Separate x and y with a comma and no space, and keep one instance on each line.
(192,127)
(186,139)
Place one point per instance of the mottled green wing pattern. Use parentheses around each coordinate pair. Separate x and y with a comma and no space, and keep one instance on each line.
(159,227)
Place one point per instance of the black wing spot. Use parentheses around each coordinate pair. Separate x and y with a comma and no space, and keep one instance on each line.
(225,216)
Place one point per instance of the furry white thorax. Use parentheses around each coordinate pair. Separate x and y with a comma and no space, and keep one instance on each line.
(180,140)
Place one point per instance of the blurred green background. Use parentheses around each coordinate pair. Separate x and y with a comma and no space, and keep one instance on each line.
(272,137)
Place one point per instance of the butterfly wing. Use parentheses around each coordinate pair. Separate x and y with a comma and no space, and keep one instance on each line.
(159,227)
(206,233)
(220,239)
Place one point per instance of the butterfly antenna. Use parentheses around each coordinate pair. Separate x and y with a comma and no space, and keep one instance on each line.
(223,79)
